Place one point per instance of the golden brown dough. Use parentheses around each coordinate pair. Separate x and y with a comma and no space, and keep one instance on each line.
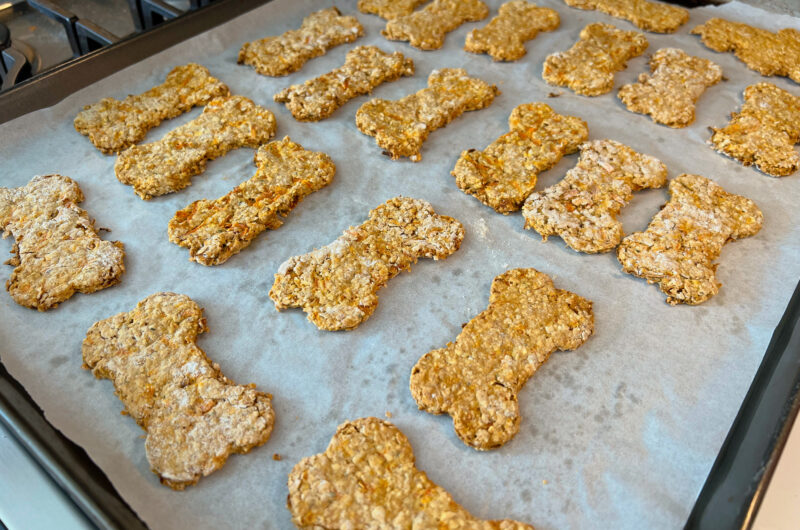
(57,250)
(213,231)
(504,37)
(287,53)
(650,16)
(504,174)
(367,478)
(425,29)
(477,378)
(679,247)
(113,125)
(194,416)
(389,9)
(337,284)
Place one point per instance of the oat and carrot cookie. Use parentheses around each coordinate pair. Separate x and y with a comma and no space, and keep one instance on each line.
(114,125)
(764,132)
(582,208)
(213,231)
(676,82)
(679,247)
(400,127)
(425,29)
(505,173)
(588,67)
(477,378)
(649,16)
(336,285)
(367,478)
(365,68)
(195,417)
(389,9)
(287,53)
(765,52)
(57,251)
(169,164)
(517,22)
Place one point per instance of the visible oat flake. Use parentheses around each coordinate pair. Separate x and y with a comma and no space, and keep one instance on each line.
(657,17)
(425,29)
(504,37)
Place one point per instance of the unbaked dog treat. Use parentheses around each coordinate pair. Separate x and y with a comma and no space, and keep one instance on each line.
(764,132)
(588,67)
(367,478)
(169,164)
(287,53)
(425,29)
(504,174)
(195,417)
(113,125)
(679,247)
(365,67)
(213,231)
(477,378)
(582,208)
(57,251)
(389,9)
(650,16)
(763,51)
(337,284)
(517,22)
(400,127)
(677,82)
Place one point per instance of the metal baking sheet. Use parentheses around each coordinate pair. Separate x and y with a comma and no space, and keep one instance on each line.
(624,430)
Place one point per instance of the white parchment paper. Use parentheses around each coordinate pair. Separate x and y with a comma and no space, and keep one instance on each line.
(620,433)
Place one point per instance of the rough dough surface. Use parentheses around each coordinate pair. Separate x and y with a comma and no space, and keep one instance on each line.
(389,9)
(213,231)
(505,173)
(113,125)
(367,478)
(589,66)
(365,68)
(582,208)
(425,29)
(763,51)
(477,378)
(57,250)
(650,16)
(287,53)
(679,247)
(764,132)
(194,416)
(517,22)
(169,164)
(337,284)
(400,127)
(670,93)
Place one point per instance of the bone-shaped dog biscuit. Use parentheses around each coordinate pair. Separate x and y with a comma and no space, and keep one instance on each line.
(650,16)
(589,66)
(582,208)
(677,82)
(764,132)
(504,37)
(477,378)
(113,125)
(389,9)
(367,478)
(400,127)
(169,164)
(682,241)
(365,68)
(284,54)
(425,29)
(763,51)
(213,231)
(57,250)
(337,284)
(195,417)
(505,173)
